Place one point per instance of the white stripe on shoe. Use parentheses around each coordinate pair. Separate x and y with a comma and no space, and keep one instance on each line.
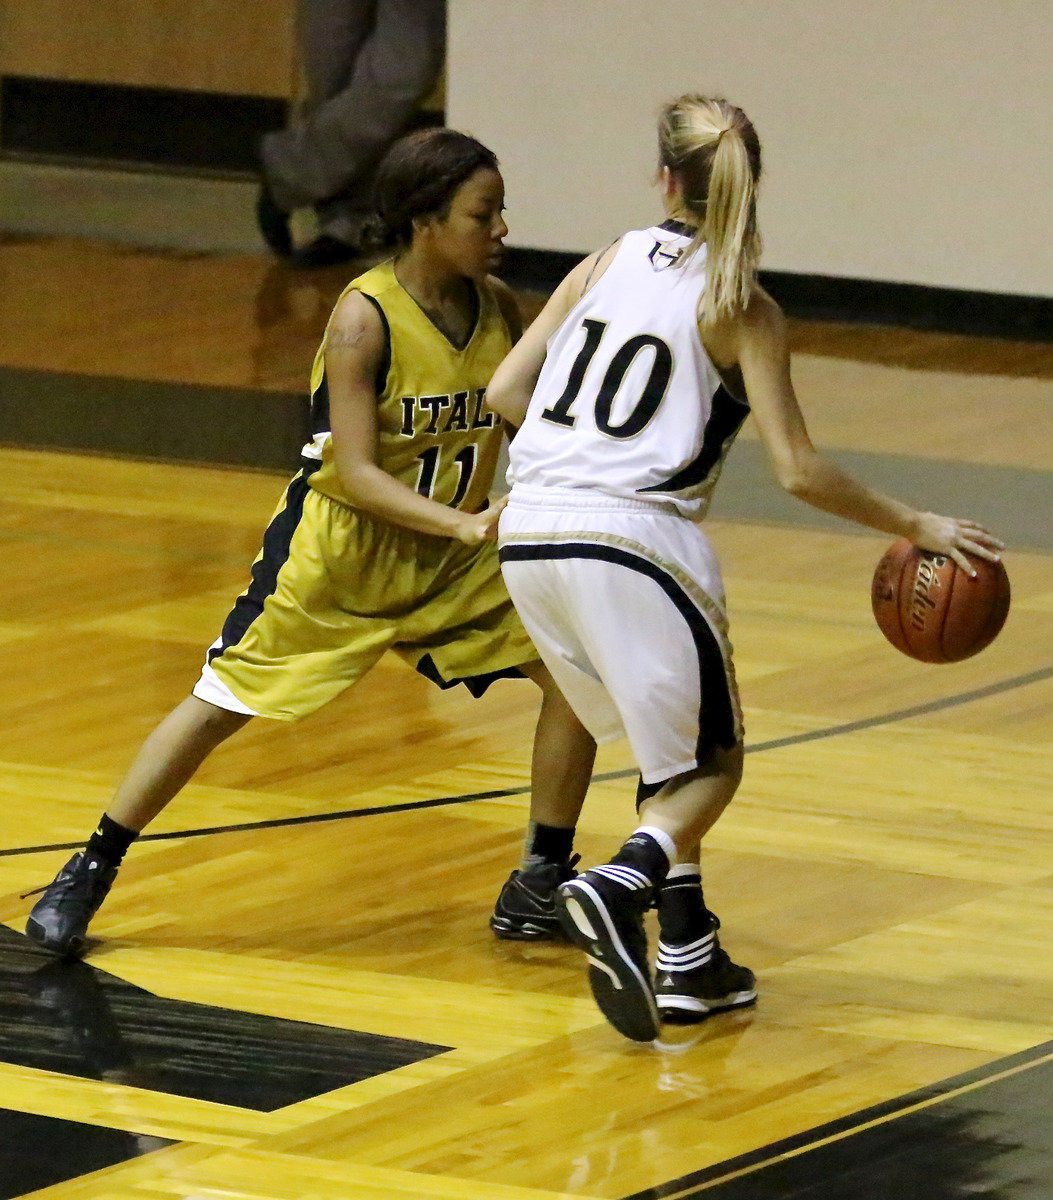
(672,957)
(602,966)
(628,877)
(579,917)
(684,1001)
(681,1002)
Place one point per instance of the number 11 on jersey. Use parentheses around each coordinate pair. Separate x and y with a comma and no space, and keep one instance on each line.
(464,460)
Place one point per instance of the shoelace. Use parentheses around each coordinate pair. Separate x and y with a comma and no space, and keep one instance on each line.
(63,877)
(44,887)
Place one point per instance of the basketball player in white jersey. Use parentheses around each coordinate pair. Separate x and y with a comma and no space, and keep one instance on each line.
(628,391)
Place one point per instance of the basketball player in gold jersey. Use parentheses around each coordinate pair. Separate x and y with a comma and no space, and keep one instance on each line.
(383,540)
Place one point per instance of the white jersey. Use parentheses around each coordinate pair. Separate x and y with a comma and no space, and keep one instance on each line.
(628,403)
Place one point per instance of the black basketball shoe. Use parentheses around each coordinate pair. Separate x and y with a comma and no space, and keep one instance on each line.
(602,912)
(59,919)
(699,978)
(525,910)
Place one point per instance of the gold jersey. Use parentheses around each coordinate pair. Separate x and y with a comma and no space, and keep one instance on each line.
(434,431)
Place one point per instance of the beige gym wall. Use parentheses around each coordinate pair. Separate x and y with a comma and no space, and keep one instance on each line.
(907,140)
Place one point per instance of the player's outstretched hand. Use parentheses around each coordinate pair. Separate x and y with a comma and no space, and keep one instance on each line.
(482,527)
(956,538)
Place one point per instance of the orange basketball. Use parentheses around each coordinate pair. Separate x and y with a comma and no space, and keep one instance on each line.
(931,609)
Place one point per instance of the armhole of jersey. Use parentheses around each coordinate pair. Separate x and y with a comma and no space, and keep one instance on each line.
(385,359)
(479,302)
(726,377)
(494,300)
(599,258)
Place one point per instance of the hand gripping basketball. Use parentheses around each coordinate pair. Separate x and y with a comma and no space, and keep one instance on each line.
(931,609)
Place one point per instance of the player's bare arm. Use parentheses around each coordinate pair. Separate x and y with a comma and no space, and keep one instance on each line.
(354,350)
(513,383)
(761,348)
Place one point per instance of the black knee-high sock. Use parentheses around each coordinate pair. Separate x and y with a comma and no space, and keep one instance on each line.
(110,841)
(688,929)
(682,913)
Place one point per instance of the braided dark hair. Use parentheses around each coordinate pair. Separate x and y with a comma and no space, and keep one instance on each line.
(418,178)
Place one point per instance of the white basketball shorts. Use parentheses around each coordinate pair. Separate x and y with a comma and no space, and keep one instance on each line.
(624,602)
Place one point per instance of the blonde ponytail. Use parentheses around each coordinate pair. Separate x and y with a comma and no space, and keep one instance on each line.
(713,149)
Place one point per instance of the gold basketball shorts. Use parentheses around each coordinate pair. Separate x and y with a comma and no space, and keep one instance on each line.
(334,588)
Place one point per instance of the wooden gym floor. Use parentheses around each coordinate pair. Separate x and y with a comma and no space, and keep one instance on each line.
(294,992)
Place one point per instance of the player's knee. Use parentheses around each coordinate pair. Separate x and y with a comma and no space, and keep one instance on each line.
(538,673)
(723,762)
(217,724)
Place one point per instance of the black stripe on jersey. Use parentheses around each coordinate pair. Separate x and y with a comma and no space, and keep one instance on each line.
(716,713)
(385,359)
(674,226)
(725,419)
(476,684)
(321,422)
(276,541)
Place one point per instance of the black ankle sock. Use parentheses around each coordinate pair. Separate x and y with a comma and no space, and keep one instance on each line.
(682,913)
(645,854)
(110,841)
(547,844)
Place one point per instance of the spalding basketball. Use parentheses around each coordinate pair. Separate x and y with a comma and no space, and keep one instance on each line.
(929,608)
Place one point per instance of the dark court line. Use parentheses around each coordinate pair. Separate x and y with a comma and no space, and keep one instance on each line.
(694,1184)
(902,714)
